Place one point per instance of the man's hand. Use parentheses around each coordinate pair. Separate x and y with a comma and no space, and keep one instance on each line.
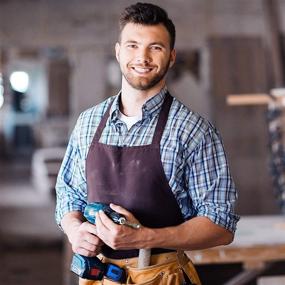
(84,240)
(118,236)
(82,235)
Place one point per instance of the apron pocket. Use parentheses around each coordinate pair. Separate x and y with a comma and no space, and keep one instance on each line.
(154,281)
(160,274)
(173,279)
(157,280)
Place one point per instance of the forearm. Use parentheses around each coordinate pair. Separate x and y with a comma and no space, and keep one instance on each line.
(197,233)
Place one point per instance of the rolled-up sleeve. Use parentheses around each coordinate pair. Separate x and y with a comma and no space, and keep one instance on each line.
(71,189)
(210,184)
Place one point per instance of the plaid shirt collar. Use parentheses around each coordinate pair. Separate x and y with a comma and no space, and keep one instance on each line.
(150,108)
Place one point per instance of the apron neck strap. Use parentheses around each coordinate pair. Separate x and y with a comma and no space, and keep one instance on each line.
(163,115)
(102,123)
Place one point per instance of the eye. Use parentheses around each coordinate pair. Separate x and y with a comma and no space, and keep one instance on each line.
(156,48)
(132,46)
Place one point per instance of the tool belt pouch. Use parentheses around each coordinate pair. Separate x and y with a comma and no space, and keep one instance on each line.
(171,272)
(160,274)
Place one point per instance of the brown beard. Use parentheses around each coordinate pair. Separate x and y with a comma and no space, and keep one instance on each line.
(145,84)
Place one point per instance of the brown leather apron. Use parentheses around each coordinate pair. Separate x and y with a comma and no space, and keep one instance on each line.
(134,178)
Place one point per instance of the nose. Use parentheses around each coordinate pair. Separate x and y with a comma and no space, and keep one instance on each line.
(143,56)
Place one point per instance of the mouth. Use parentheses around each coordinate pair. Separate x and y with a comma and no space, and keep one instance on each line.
(142,69)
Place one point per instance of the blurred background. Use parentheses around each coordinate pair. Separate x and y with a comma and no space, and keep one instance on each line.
(57,59)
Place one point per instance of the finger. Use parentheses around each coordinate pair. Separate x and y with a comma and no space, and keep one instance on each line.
(83,245)
(99,222)
(106,221)
(85,252)
(91,229)
(123,211)
(94,240)
(88,246)
(88,227)
(120,210)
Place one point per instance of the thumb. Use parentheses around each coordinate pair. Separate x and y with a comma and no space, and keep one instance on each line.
(120,209)
(130,217)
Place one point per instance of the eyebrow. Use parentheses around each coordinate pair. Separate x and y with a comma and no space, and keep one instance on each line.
(130,42)
(151,44)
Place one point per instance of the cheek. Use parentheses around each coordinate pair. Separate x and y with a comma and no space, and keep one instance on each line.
(124,58)
(164,62)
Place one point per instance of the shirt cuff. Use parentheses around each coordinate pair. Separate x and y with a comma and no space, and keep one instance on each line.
(62,210)
(224,218)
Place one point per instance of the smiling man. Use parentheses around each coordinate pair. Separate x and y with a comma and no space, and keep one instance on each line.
(145,60)
(153,160)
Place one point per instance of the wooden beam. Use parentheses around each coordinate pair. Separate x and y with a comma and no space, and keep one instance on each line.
(276,97)
(271,280)
(248,99)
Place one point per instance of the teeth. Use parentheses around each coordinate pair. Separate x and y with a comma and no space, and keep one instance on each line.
(142,69)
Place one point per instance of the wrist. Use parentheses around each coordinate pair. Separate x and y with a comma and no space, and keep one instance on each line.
(72,229)
(70,224)
(159,237)
(150,238)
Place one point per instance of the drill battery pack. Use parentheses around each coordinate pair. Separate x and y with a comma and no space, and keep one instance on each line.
(93,268)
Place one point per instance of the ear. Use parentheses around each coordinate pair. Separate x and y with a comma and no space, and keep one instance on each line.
(172,57)
(117,50)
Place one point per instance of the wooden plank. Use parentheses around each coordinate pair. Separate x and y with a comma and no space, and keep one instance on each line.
(58,86)
(259,239)
(275,98)
(248,99)
(239,66)
(271,280)
(250,256)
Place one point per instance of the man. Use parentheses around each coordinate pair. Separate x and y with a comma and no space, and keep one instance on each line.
(149,157)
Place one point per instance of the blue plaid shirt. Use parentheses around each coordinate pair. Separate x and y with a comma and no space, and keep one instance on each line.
(192,156)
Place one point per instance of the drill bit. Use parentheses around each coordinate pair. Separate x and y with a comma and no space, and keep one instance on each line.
(124,221)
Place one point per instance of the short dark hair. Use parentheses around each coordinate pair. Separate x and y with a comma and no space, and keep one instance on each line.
(147,14)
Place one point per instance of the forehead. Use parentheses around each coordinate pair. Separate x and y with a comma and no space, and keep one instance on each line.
(145,33)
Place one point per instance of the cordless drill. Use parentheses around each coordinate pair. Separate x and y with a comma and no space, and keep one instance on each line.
(93,268)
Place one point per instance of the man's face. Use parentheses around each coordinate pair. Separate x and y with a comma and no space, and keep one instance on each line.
(144,55)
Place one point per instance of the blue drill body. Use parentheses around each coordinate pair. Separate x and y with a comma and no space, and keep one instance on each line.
(93,268)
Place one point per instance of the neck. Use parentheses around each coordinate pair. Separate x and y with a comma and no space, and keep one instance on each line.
(132,99)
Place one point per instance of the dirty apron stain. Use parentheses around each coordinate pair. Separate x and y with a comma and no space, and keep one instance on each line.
(134,178)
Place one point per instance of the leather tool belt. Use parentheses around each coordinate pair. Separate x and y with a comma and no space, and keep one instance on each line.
(173,268)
